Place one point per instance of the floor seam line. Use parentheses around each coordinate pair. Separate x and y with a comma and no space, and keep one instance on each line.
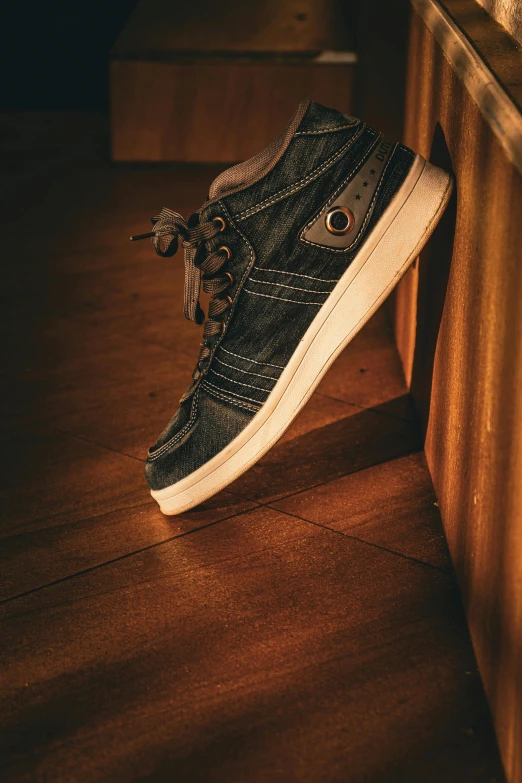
(89,441)
(69,522)
(126,556)
(328,481)
(362,541)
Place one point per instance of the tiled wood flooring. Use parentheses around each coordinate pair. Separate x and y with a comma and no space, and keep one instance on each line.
(303,625)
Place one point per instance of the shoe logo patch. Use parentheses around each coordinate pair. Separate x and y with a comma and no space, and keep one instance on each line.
(342,220)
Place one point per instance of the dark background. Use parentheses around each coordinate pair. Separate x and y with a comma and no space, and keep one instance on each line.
(56,55)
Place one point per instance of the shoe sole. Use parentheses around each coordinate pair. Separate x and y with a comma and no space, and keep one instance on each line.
(393,245)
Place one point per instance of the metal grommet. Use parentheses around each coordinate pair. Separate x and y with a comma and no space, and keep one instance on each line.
(230,277)
(339,220)
(226,250)
(230,300)
(220,221)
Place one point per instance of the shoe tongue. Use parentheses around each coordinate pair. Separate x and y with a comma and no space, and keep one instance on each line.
(245,174)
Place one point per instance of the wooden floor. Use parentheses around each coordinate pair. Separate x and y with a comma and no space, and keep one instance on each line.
(303,625)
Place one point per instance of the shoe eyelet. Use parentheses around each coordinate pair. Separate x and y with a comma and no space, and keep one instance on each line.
(230,300)
(230,277)
(219,220)
(344,225)
(226,250)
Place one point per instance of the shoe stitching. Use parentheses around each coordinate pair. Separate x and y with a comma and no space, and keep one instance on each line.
(366,218)
(241,396)
(261,364)
(282,299)
(301,183)
(223,397)
(296,274)
(238,369)
(330,129)
(298,185)
(354,171)
(175,438)
(249,385)
(293,287)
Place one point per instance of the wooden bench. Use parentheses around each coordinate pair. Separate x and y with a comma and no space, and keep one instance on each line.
(216,83)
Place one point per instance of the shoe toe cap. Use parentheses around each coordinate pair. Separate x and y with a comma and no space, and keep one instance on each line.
(201,428)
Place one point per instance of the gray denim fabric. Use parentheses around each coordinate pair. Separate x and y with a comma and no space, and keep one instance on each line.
(280,283)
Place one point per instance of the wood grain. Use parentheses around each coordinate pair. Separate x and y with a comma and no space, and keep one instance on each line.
(369,372)
(219,83)
(501,53)
(406,493)
(354,442)
(205,111)
(508,13)
(490,94)
(283,26)
(263,648)
(459,331)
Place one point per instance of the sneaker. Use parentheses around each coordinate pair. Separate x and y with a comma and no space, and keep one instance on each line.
(297,247)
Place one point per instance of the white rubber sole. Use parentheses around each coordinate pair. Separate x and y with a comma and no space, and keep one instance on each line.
(393,245)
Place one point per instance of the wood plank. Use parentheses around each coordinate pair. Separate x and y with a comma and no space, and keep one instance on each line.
(501,53)
(391,505)
(41,551)
(70,505)
(84,375)
(165,110)
(53,477)
(283,26)
(87,271)
(261,648)
(368,372)
(171,82)
(462,305)
(355,441)
(497,106)
(508,13)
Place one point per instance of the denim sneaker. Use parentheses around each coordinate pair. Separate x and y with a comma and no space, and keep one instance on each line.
(297,247)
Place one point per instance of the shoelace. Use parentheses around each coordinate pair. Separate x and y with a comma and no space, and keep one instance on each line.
(168,227)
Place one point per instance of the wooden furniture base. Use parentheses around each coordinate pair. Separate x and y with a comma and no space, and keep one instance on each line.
(213,112)
(220,86)
(459,330)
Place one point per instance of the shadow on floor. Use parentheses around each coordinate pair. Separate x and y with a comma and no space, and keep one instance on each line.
(345,446)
